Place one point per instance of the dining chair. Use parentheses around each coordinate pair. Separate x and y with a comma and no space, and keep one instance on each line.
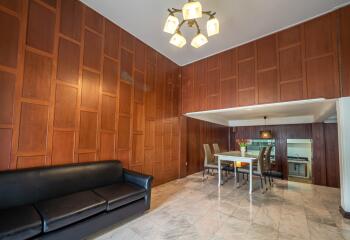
(209,160)
(269,172)
(257,170)
(216,148)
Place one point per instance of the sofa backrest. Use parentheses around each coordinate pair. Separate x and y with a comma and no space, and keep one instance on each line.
(28,186)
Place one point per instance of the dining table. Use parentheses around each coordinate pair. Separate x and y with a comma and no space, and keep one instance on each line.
(237,156)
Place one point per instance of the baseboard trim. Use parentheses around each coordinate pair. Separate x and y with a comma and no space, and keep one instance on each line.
(344,213)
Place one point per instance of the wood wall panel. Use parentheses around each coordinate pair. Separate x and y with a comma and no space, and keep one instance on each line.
(7,91)
(320,78)
(108,113)
(90,89)
(71,19)
(139,87)
(228,64)
(87,157)
(123,132)
(37,70)
(291,91)
(213,82)
(246,97)
(110,76)
(9,41)
(63,148)
(13,5)
(267,86)
(125,98)
(93,20)
(276,68)
(92,50)
(228,93)
(5,153)
(87,131)
(127,40)
(107,146)
(31,161)
(33,128)
(289,36)
(265,47)
(126,66)
(246,74)
(111,43)
(345,50)
(291,65)
(40,20)
(319,36)
(68,61)
(62,101)
(65,106)
(246,51)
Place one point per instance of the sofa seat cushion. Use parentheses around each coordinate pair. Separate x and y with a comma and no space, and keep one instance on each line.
(120,194)
(19,222)
(62,211)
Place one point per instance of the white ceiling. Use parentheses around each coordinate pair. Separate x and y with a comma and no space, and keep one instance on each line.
(295,112)
(241,21)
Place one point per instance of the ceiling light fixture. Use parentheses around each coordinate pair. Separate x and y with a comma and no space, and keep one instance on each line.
(265,134)
(191,11)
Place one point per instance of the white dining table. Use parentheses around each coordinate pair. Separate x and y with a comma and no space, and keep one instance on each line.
(236,156)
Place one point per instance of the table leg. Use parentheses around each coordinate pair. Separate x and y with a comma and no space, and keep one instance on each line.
(219,171)
(250,177)
(234,165)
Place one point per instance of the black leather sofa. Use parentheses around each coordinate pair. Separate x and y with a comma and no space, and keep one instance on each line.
(71,201)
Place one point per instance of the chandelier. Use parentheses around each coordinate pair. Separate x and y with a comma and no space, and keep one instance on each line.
(191,11)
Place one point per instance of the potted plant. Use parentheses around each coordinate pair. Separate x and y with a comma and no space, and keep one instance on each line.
(243,145)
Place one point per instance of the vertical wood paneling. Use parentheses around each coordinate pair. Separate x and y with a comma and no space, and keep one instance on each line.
(345,50)
(61,98)
(277,68)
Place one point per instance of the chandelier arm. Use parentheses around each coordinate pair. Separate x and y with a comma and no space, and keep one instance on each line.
(180,25)
(197,26)
(174,10)
(209,13)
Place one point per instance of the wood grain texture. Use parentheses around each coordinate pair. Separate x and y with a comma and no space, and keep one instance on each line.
(68,61)
(33,128)
(9,27)
(37,69)
(65,106)
(74,87)
(7,92)
(345,50)
(276,68)
(71,19)
(40,19)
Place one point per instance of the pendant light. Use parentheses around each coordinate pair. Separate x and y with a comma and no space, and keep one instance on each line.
(265,134)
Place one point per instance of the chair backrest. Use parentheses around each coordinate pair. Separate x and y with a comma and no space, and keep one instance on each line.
(261,167)
(216,148)
(268,157)
(208,156)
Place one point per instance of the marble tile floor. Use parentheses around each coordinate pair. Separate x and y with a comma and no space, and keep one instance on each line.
(191,208)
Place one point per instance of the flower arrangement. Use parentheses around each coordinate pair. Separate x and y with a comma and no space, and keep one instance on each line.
(242,142)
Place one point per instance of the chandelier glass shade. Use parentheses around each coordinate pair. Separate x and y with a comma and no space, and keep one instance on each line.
(191,11)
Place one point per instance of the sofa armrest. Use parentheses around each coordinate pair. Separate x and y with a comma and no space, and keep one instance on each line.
(141,180)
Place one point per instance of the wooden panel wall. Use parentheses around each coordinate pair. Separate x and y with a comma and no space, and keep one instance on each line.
(345,50)
(325,163)
(198,133)
(297,63)
(74,87)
